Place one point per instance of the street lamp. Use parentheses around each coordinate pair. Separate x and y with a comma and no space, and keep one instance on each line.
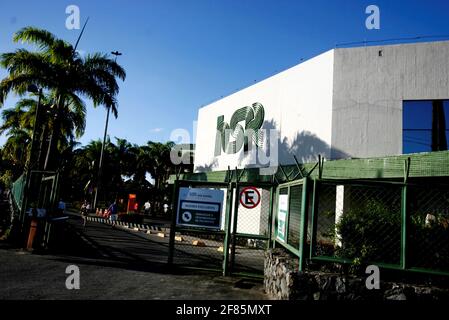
(32,89)
(100,166)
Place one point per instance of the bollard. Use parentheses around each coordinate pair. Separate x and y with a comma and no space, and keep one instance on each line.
(32,233)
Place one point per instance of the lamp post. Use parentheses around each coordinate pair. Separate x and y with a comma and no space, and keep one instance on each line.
(100,165)
(32,89)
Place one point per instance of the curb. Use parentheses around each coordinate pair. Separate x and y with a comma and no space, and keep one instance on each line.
(130,225)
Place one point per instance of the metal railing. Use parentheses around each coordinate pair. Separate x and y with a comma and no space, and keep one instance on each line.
(238,246)
(395,225)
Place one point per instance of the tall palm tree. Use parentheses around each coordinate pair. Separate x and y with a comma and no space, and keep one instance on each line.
(16,147)
(57,68)
(22,117)
(125,157)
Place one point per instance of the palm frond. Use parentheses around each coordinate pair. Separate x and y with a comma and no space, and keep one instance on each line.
(40,37)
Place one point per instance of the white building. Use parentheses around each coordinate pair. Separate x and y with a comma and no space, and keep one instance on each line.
(344,103)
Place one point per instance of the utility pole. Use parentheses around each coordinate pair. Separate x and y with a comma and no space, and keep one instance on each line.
(30,163)
(100,165)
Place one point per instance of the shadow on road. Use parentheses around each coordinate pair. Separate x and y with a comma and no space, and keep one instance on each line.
(105,246)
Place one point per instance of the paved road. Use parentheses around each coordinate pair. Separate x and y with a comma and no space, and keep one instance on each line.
(114,264)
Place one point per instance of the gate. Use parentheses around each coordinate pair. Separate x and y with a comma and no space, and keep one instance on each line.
(291,218)
(35,189)
(238,244)
(251,227)
(196,246)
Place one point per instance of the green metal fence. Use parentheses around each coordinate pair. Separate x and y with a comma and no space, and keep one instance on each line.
(17,191)
(251,229)
(388,211)
(395,225)
(290,226)
(428,227)
(200,248)
(357,222)
(239,245)
(34,189)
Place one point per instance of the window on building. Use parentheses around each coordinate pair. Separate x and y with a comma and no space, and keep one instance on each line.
(425,126)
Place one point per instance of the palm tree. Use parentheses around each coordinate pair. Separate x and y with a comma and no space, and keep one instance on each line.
(154,158)
(124,157)
(163,167)
(21,119)
(16,147)
(83,171)
(57,68)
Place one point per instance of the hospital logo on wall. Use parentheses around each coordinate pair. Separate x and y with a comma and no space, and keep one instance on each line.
(253,117)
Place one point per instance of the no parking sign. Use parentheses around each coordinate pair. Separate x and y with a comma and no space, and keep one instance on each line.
(250,197)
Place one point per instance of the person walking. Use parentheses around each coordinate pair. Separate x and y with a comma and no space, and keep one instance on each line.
(147,207)
(113,212)
(84,212)
(61,207)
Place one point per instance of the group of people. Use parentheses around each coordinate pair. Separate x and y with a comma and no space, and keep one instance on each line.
(112,211)
(147,207)
(86,208)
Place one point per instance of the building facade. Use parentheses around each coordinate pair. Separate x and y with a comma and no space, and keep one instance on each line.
(345,103)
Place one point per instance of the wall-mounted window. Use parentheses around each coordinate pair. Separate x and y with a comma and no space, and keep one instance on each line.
(425,126)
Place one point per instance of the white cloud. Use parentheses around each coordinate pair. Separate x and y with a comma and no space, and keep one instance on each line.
(157,130)
(82,53)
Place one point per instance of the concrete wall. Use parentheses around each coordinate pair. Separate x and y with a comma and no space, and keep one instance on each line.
(343,103)
(369,90)
(297,102)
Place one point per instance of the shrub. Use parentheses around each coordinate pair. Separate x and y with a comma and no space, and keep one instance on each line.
(370,232)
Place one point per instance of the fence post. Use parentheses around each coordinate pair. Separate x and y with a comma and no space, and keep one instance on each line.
(270,216)
(303,226)
(171,245)
(404,215)
(24,202)
(234,226)
(227,229)
(314,219)
(404,223)
(274,221)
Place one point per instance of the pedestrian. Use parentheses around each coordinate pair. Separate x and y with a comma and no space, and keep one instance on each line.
(112,211)
(147,207)
(84,212)
(61,207)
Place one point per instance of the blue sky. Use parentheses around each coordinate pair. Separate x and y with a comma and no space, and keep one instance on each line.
(181,55)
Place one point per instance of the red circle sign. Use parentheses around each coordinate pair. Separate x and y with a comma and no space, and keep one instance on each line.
(250,197)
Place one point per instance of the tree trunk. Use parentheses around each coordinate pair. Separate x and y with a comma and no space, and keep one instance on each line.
(52,145)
